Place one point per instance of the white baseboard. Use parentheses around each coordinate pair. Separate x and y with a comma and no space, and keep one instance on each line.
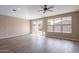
(12,36)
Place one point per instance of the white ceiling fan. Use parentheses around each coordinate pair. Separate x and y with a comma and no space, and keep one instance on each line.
(45,8)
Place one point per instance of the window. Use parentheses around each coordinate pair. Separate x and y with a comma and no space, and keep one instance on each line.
(57,25)
(67,20)
(67,29)
(61,24)
(50,28)
(57,21)
(50,25)
(50,22)
(57,28)
(67,24)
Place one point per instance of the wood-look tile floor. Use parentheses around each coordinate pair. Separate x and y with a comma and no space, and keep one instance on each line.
(35,44)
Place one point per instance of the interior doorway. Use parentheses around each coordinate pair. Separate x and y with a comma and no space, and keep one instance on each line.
(37,27)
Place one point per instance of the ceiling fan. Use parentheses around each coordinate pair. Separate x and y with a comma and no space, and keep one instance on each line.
(45,8)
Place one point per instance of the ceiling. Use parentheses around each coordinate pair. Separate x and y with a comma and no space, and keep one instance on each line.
(31,11)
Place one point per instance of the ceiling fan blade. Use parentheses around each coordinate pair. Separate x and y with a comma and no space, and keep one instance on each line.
(50,7)
(40,10)
(41,6)
(50,10)
(44,12)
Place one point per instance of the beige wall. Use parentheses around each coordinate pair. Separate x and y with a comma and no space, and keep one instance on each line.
(11,26)
(75,27)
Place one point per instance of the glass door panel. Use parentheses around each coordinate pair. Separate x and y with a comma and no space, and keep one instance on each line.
(37,27)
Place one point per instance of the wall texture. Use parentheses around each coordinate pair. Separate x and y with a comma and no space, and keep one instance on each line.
(11,26)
